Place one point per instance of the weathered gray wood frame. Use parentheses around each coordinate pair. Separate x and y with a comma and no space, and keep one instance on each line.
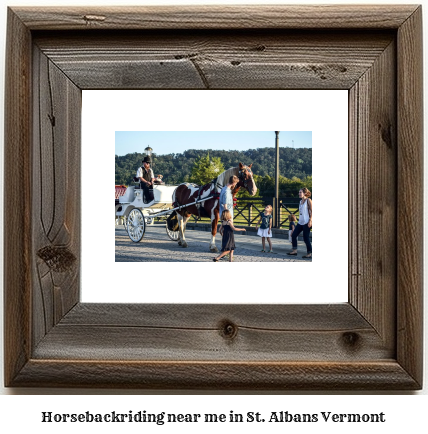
(372,342)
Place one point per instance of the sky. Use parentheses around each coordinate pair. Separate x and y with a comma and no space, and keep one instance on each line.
(173,142)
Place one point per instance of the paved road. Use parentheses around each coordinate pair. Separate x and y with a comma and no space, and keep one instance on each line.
(157,247)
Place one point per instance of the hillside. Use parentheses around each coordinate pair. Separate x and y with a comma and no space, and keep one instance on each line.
(176,168)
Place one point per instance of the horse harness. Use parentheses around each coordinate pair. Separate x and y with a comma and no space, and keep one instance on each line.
(215,195)
(242,177)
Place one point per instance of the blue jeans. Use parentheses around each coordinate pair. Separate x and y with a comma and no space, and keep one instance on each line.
(306,230)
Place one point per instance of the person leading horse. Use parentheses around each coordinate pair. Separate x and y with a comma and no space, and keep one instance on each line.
(188,193)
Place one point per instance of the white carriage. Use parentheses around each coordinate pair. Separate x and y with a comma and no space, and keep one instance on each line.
(136,214)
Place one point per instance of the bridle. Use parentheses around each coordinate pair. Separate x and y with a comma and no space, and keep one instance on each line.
(242,175)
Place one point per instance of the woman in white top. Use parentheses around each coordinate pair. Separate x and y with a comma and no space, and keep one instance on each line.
(304,224)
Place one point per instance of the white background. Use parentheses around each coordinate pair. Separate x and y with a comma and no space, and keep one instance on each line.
(405,413)
(325,113)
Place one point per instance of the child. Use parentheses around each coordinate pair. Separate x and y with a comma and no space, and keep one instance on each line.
(265,230)
(228,239)
(292,219)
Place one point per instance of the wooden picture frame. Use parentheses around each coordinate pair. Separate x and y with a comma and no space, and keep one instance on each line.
(372,342)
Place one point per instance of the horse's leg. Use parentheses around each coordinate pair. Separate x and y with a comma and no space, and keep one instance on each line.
(185,219)
(214,223)
(180,229)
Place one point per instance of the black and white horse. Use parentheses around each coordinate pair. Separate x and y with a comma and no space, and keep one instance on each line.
(187,193)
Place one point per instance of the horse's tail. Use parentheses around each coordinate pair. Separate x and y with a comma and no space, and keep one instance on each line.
(172,221)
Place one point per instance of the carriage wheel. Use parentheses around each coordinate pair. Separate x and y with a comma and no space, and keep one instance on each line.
(136,225)
(172,235)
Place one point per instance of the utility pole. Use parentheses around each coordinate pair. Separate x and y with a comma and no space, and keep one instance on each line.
(276,221)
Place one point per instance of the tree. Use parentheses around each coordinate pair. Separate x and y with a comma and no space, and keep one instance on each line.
(205,169)
(177,168)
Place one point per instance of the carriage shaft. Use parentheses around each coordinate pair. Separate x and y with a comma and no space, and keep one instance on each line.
(180,207)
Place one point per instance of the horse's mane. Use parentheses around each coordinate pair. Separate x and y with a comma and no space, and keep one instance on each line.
(223,178)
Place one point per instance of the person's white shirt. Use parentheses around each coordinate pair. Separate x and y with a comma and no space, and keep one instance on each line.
(303,213)
(140,173)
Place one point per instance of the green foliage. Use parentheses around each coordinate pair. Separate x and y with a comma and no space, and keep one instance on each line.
(205,169)
(295,167)
(287,187)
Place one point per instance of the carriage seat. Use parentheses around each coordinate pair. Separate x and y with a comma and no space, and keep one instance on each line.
(128,196)
(138,183)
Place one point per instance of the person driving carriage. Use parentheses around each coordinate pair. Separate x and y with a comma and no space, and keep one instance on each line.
(147,179)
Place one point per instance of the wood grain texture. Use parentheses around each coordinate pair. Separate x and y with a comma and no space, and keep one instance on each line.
(17,199)
(341,317)
(199,332)
(56,198)
(216,60)
(372,342)
(216,17)
(373,178)
(410,196)
(216,375)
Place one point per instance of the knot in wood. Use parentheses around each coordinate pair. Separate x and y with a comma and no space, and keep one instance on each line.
(351,340)
(386,134)
(228,330)
(58,259)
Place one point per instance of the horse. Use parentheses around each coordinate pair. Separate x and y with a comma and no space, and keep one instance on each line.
(187,193)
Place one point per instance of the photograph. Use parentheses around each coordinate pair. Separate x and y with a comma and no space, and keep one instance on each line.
(237,195)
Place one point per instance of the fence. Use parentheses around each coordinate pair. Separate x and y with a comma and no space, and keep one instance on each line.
(247,210)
